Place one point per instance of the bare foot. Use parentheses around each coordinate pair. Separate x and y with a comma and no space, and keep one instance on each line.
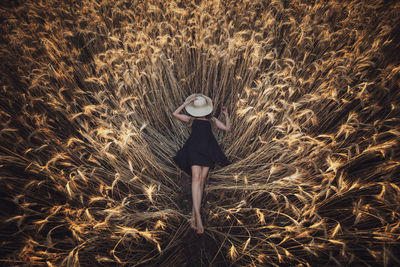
(200,228)
(193,223)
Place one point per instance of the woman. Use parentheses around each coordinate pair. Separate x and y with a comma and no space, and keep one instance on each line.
(201,150)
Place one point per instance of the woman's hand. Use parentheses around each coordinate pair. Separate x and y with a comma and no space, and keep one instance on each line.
(190,100)
(224,111)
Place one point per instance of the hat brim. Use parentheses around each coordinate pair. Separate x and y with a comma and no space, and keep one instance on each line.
(199,111)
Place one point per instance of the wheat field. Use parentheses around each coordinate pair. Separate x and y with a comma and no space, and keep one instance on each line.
(87,135)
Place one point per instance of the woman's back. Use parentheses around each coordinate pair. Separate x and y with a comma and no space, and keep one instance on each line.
(201,135)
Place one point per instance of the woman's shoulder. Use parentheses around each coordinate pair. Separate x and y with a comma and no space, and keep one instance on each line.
(212,119)
(191,119)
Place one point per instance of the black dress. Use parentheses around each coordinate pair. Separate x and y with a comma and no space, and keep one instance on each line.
(201,148)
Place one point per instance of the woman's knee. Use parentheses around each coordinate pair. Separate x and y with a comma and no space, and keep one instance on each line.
(196,173)
(196,179)
(204,172)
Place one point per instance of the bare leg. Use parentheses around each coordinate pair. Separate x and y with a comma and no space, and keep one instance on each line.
(204,172)
(196,196)
(193,220)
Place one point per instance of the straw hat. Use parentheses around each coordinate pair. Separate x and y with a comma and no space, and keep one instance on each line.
(202,106)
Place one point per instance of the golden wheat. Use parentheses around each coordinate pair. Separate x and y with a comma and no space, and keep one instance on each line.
(87,136)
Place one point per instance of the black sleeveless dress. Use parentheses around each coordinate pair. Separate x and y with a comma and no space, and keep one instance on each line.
(201,148)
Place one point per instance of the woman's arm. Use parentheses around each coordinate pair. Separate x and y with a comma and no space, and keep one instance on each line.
(223,126)
(183,117)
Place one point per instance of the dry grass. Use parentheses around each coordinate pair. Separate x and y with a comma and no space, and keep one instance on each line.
(87,135)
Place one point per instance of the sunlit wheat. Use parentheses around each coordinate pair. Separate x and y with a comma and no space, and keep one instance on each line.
(87,136)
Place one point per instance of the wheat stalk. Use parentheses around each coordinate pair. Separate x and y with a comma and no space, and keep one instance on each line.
(87,135)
